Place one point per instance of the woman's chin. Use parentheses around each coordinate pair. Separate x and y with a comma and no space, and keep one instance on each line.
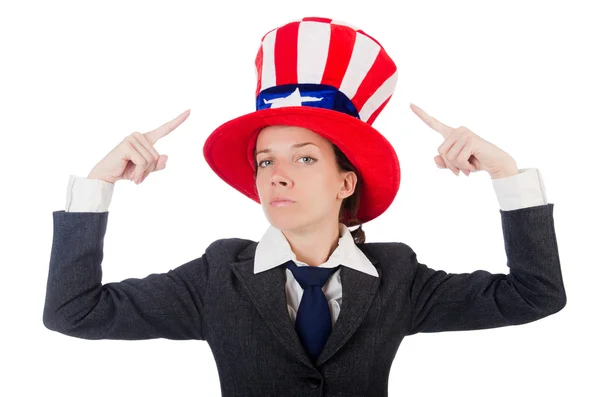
(285,220)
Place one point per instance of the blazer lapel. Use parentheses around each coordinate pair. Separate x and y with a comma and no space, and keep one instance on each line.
(358,290)
(267,292)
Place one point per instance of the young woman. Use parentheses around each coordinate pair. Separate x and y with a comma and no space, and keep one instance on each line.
(272,310)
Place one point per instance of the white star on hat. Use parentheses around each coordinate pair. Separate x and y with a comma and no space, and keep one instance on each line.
(294,99)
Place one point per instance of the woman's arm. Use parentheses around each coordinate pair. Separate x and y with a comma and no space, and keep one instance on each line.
(533,289)
(168,305)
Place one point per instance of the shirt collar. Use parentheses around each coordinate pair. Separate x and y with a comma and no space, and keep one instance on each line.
(273,250)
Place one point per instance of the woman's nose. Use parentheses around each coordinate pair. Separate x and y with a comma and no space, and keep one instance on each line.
(278,176)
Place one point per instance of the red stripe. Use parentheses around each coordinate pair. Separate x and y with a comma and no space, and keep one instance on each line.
(376,112)
(382,69)
(286,54)
(341,44)
(259,65)
(317,19)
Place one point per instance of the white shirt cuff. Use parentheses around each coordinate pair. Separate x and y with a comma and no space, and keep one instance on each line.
(525,189)
(88,195)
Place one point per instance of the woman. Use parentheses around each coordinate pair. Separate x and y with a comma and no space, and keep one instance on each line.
(272,310)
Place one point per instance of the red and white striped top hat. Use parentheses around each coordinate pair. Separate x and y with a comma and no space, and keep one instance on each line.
(328,77)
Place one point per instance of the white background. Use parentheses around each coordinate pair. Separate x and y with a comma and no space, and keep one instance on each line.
(77,77)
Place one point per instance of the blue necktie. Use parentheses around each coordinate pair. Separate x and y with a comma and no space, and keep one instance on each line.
(313,320)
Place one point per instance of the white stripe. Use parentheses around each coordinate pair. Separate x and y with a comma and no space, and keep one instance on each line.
(364,53)
(313,47)
(268,68)
(382,93)
(344,24)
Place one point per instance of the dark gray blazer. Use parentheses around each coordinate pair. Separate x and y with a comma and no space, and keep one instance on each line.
(243,316)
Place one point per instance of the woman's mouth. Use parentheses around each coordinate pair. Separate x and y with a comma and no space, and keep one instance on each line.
(281,203)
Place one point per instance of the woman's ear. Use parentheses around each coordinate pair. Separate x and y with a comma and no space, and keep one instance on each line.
(349,184)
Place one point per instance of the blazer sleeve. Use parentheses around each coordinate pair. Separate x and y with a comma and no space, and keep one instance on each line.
(168,305)
(532,289)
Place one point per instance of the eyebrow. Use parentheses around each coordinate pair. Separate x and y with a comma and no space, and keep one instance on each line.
(297,145)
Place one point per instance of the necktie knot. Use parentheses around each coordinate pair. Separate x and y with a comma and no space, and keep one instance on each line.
(310,276)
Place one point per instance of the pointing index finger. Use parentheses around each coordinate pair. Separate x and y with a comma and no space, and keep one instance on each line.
(431,121)
(166,128)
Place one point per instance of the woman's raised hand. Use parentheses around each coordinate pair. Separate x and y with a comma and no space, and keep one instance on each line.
(135,157)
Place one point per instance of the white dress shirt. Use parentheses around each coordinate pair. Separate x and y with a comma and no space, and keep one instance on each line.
(525,189)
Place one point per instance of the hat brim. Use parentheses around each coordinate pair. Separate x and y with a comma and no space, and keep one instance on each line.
(229,152)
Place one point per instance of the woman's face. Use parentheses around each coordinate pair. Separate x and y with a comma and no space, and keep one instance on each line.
(306,174)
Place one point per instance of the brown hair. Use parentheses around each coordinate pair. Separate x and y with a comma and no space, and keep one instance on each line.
(350,204)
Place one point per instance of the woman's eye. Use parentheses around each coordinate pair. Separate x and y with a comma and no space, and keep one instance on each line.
(305,157)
